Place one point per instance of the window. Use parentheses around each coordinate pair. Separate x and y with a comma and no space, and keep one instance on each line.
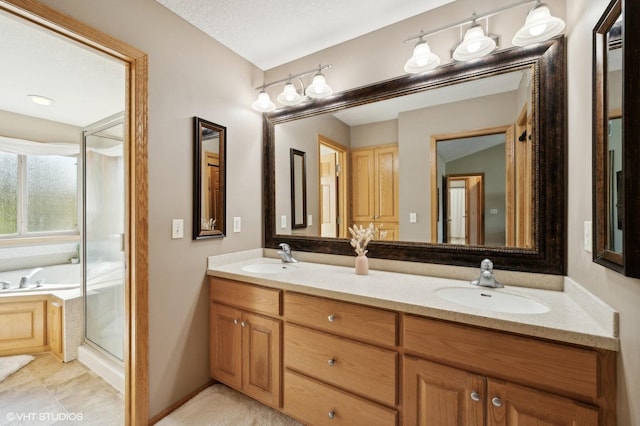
(38,195)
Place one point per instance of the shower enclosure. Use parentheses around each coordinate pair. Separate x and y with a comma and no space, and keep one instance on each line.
(103,236)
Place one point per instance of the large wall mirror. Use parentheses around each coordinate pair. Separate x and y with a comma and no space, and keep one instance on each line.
(616,149)
(452,166)
(209,212)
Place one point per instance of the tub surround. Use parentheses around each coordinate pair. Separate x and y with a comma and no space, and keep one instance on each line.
(575,316)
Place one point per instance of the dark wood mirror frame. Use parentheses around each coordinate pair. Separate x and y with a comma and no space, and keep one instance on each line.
(630,40)
(548,255)
(298,187)
(199,127)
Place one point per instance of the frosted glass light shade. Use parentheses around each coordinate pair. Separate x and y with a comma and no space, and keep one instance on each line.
(539,26)
(474,45)
(263,103)
(289,95)
(318,88)
(423,59)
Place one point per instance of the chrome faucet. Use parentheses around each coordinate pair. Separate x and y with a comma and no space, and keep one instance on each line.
(285,253)
(24,281)
(5,285)
(486,276)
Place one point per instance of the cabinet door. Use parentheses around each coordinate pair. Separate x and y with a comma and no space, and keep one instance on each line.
(226,345)
(261,358)
(386,184)
(435,395)
(362,186)
(513,405)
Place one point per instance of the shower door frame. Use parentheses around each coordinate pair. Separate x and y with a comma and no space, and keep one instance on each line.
(136,345)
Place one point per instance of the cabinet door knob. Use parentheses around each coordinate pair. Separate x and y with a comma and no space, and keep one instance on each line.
(496,401)
(331,414)
(331,362)
(235,322)
(475,396)
(331,318)
(243,323)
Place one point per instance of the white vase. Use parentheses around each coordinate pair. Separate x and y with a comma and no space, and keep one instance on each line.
(362,264)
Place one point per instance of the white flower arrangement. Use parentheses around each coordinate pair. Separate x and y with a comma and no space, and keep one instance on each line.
(360,237)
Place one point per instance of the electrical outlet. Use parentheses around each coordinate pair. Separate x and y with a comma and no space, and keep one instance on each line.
(177,228)
(283,221)
(237,224)
(413,218)
(588,243)
(493,211)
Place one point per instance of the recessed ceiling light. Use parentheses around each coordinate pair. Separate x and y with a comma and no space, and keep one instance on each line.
(41,100)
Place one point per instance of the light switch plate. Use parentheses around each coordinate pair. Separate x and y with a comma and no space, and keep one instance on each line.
(237,224)
(309,220)
(413,218)
(283,221)
(588,242)
(177,228)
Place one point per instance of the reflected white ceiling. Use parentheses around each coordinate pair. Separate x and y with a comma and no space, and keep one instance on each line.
(269,33)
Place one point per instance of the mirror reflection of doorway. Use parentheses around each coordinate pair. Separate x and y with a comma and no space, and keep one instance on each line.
(464,209)
(333,188)
(213,202)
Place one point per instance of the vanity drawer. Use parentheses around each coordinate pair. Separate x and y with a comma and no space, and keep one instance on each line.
(343,318)
(367,370)
(245,296)
(564,369)
(318,404)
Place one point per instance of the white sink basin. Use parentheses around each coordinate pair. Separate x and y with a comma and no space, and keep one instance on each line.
(492,300)
(269,268)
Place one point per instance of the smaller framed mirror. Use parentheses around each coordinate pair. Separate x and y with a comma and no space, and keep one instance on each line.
(616,150)
(209,179)
(298,189)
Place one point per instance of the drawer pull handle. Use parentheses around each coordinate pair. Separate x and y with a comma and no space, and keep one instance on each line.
(475,396)
(331,414)
(243,323)
(331,362)
(331,318)
(496,401)
(235,322)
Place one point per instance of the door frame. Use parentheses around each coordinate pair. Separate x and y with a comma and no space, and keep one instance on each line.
(479,177)
(136,175)
(342,183)
(508,131)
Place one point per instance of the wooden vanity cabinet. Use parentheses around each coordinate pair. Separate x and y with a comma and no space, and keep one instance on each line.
(341,362)
(464,375)
(245,346)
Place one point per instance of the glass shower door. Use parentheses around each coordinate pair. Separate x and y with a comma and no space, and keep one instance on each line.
(104,246)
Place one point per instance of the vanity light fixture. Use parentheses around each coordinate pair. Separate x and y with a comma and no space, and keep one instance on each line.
(474,45)
(423,59)
(539,26)
(290,95)
(41,100)
(263,103)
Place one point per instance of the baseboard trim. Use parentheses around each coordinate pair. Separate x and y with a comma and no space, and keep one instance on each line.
(173,407)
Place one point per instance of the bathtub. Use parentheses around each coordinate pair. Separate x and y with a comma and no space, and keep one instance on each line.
(48,278)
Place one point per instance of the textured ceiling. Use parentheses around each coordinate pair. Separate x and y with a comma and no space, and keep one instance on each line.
(269,33)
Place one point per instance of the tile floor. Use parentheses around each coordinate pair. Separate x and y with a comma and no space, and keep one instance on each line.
(47,391)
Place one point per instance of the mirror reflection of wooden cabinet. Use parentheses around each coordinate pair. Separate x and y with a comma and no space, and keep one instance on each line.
(209,179)
(616,151)
(374,189)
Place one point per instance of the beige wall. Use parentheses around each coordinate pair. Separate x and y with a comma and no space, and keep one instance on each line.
(623,294)
(190,74)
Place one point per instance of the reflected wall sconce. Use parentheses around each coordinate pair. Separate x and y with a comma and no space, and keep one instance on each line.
(290,95)
(539,26)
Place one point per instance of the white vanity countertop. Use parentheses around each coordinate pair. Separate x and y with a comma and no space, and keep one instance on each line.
(574,316)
